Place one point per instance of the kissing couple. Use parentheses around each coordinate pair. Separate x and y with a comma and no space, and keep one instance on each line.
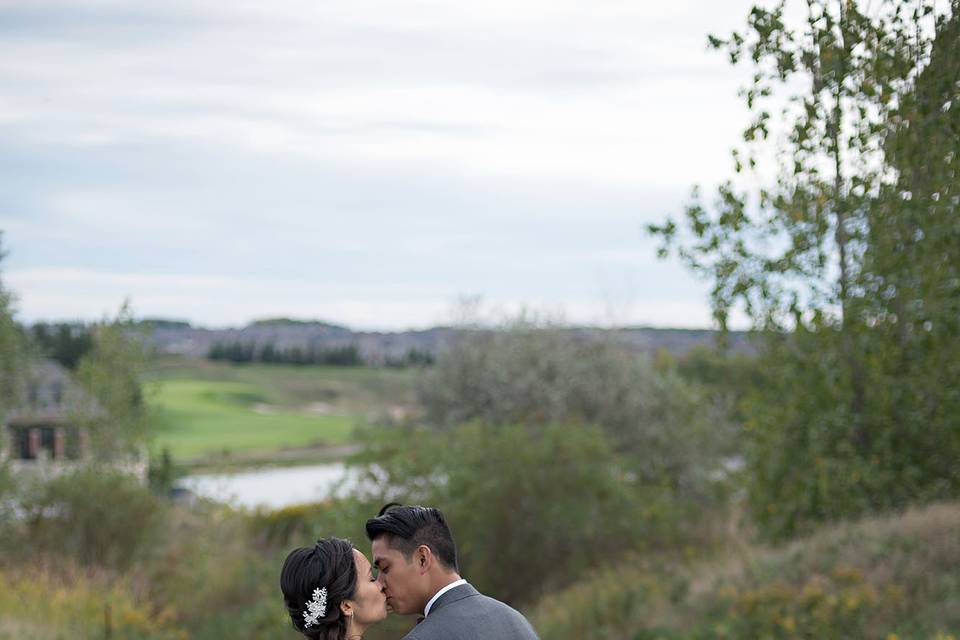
(332,592)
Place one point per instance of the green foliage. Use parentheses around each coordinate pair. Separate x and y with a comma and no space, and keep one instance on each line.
(279,528)
(542,438)
(40,604)
(66,343)
(302,524)
(161,474)
(95,550)
(218,569)
(9,518)
(841,604)
(611,603)
(293,322)
(162,572)
(110,373)
(728,380)
(208,571)
(162,323)
(533,374)
(95,517)
(547,503)
(414,357)
(716,369)
(12,348)
(804,458)
(848,263)
(268,353)
(883,578)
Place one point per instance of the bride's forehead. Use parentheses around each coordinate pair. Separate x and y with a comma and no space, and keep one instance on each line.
(361,559)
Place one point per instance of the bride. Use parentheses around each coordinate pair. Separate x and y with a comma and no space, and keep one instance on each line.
(330,591)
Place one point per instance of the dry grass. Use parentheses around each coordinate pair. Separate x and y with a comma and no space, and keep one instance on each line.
(897,574)
(68,602)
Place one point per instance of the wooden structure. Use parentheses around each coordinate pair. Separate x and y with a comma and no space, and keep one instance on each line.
(43,427)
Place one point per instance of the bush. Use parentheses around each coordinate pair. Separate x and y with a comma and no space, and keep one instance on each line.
(9,522)
(208,569)
(530,508)
(94,516)
(885,579)
(39,604)
(535,374)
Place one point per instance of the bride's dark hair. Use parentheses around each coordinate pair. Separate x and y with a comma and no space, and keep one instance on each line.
(327,564)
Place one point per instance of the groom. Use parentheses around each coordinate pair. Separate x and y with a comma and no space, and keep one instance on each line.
(416,557)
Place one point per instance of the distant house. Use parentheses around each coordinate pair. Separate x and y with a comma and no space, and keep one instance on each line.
(42,429)
(45,431)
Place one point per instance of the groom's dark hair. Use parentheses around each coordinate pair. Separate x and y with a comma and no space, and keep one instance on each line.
(408,527)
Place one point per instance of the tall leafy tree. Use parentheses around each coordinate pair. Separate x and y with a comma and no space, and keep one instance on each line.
(110,374)
(533,373)
(11,347)
(815,259)
(912,288)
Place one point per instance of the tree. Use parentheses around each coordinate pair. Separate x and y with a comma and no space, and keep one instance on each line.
(11,368)
(538,373)
(913,263)
(110,374)
(550,503)
(64,342)
(816,261)
(11,347)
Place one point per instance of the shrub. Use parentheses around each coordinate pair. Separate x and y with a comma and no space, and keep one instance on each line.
(95,516)
(530,508)
(9,522)
(532,373)
(39,604)
(885,579)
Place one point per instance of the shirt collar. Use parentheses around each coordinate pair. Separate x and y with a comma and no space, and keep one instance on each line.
(436,596)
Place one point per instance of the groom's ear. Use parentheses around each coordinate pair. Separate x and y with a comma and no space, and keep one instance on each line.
(424,558)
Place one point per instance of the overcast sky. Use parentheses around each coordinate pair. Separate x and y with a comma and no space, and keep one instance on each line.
(365,163)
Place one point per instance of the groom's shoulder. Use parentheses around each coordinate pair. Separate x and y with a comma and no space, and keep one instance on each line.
(466,600)
(474,615)
(494,605)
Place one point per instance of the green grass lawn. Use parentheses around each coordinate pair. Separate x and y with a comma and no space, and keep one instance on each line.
(206,409)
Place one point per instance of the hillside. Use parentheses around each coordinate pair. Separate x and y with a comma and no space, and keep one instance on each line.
(378,347)
(889,578)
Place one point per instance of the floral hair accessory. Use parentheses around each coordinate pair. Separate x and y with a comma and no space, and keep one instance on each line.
(316,608)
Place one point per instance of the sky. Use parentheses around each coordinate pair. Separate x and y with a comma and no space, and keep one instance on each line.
(368,163)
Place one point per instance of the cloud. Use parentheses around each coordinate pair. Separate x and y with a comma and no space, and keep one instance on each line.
(224,300)
(508,149)
(551,90)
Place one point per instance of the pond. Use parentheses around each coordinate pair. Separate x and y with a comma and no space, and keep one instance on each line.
(274,487)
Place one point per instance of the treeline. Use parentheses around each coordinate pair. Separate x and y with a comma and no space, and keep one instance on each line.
(244,352)
(65,342)
(241,352)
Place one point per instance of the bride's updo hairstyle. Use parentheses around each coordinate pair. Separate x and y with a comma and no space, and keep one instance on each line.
(328,564)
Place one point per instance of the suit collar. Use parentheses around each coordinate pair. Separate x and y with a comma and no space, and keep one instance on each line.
(453,595)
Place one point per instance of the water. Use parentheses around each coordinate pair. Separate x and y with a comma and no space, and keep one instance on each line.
(274,487)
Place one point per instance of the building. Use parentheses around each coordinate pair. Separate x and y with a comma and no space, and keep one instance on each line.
(42,430)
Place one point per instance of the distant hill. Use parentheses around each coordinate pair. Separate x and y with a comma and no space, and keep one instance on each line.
(292,322)
(177,337)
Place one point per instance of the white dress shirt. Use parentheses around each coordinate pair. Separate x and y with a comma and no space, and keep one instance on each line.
(457,583)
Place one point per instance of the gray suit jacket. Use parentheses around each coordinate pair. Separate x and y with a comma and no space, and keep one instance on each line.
(463,613)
